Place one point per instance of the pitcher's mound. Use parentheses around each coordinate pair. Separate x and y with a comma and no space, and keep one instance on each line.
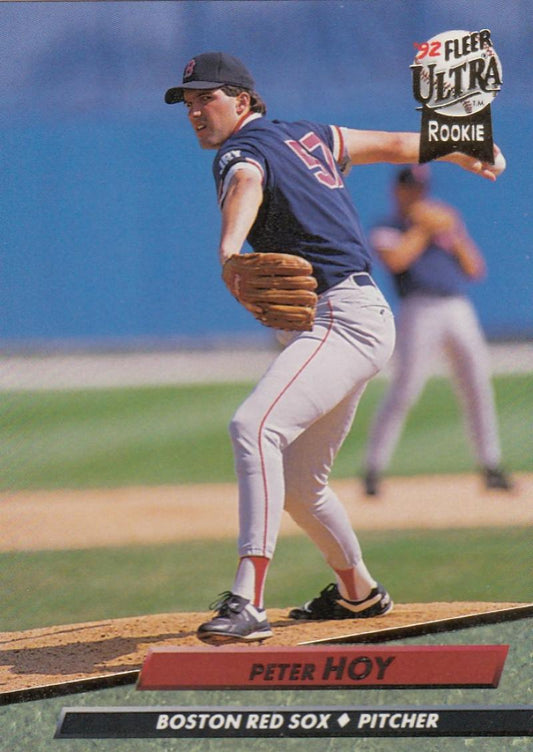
(70,658)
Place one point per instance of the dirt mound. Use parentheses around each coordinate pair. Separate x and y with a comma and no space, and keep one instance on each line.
(52,656)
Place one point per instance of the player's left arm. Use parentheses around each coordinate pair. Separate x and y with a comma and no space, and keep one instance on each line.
(467,252)
(243,197)
(369,147)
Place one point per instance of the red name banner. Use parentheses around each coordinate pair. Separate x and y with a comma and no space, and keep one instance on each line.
(429,666)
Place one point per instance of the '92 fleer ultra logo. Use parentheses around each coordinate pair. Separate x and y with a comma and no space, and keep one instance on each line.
(456,76)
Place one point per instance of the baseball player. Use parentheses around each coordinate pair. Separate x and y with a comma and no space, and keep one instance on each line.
(431,256)
(280,186)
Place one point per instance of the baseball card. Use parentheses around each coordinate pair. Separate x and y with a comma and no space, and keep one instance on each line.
(266,369)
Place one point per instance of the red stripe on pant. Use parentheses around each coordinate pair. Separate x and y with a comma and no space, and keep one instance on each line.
(272,406)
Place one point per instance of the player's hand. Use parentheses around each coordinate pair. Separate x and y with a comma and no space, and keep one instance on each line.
(486,170)
(433,217)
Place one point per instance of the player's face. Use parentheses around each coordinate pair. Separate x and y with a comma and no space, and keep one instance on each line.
(212,114)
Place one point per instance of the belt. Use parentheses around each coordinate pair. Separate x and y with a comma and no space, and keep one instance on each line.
(362,279)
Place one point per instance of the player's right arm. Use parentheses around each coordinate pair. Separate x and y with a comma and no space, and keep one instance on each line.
(398,249)
(242,199)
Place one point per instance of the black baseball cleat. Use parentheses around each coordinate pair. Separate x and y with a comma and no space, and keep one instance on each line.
(331,605)
(237,620)
(371,483)
(496,479)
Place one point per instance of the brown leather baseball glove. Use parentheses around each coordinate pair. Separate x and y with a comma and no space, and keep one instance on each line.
(277,288)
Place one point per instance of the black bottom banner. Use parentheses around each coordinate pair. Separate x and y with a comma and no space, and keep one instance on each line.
(313,722)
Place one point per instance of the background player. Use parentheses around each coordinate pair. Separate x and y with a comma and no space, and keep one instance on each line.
(431,256)
(280,187)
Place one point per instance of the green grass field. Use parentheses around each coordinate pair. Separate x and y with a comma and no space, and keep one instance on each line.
(63,587)
(179,435)
(108,438)
(157,435)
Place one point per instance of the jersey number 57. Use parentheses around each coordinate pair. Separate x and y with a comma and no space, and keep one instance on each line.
(326,174)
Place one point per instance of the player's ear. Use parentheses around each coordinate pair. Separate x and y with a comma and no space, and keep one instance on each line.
(243,102)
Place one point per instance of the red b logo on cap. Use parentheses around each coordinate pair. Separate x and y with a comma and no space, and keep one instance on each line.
(189,68)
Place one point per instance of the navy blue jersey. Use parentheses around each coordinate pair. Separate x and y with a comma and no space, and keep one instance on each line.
(435,272)
(306,208)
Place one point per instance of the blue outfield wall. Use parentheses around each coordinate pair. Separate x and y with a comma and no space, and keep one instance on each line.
(109,217)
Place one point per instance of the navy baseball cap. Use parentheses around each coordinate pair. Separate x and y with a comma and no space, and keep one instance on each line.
(211,70)
(413,175)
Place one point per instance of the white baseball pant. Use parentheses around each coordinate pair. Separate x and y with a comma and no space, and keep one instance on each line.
(427,326)
(287,433)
